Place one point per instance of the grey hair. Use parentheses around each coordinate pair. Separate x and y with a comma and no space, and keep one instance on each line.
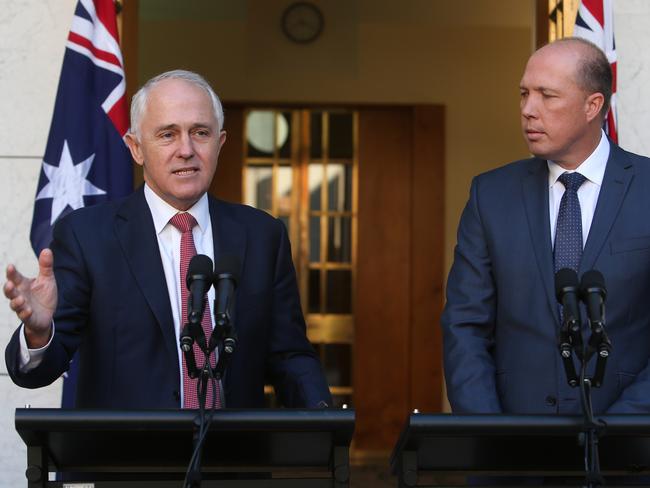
(139,100)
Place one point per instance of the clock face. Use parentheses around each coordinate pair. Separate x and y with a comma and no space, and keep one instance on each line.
(302,22)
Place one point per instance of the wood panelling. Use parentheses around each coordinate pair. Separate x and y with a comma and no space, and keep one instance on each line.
(129,45)
(397,358)
(427,258)
(227,183)
(381,346)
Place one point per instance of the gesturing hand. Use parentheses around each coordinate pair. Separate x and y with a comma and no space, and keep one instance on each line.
(34,299)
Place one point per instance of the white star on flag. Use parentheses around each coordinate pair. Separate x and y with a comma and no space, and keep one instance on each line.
(67,183)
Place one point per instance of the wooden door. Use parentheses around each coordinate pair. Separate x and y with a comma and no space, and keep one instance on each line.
(398,287)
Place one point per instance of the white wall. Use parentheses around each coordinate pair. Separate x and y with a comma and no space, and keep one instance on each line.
(631,21)
(33,34)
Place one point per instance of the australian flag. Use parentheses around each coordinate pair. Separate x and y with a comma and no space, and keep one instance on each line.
(86,160)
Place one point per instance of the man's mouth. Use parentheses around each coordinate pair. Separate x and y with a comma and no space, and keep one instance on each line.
(185,171)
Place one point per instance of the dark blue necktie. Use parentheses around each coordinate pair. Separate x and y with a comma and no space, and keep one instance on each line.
(568,232)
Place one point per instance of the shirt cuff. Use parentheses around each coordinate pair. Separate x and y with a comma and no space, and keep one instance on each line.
(31,358)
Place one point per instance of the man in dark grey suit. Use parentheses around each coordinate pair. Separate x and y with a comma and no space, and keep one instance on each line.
(501,320)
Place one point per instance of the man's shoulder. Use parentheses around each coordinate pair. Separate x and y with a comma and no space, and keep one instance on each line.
(511,173)
(242,214)
(642,162)
(95,214)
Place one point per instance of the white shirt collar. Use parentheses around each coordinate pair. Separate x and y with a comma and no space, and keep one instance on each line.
(592,168)
(161,211)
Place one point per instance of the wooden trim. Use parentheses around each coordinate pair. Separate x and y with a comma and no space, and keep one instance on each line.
(541,23)
(427,258)
(129,44)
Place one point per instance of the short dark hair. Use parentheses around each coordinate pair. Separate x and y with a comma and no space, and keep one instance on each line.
(594,72)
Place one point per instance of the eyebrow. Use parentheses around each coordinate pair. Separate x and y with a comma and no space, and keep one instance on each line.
(539,89)
(197,125)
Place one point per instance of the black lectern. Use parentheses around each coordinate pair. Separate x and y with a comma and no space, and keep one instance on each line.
(243,448)
(521,445)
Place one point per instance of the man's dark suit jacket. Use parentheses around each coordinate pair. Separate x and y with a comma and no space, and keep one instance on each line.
(501,320)
(114,306)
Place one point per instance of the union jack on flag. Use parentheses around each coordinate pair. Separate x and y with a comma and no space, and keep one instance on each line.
(595,22)
(86,160)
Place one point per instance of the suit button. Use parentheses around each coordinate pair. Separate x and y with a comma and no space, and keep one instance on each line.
(551,401)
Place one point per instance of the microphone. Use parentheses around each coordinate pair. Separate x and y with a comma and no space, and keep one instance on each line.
(593,293)
(567,293)
(198,281)
(226,276)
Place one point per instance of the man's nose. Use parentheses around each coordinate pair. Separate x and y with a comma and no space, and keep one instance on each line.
(529,106)
(186,149)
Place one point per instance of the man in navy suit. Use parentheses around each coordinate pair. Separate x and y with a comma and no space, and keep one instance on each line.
(501,320)
(109,285)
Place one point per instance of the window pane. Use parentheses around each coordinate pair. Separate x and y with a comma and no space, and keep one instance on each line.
(260,129)
(339,239)
(284,134)
(314,239)
(314,291)
(316,143)
(340,136)
(339,187)
(284,187)
(259,185)
(339,291)
(316,177)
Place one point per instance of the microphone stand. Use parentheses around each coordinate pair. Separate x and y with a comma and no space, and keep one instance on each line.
(193,332)
(224,340)
(600,343)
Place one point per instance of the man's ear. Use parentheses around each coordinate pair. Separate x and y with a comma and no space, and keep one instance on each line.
(135,148)
(593,105)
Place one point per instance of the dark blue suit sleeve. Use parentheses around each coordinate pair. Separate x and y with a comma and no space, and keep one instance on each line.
(468,320)
(293,365)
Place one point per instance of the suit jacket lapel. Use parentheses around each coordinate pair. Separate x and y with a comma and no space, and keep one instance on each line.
(618,174)
(228,235)
(535,194)
(137,235)
(229,239)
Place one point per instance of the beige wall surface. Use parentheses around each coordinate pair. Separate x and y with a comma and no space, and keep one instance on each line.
(467,55)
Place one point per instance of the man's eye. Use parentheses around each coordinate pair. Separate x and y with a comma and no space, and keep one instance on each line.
(202,133)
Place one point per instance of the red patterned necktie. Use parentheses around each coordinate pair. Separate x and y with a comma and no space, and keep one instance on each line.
(184,222)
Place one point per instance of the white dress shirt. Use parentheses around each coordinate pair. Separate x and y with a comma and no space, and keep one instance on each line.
(169,243)
(592,168)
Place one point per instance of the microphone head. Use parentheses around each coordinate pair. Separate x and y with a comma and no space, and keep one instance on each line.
(228,264)
(566,278)
(594,281)
(200,267)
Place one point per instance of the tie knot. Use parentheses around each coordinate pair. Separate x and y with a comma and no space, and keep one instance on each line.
(183,221)
(572,181)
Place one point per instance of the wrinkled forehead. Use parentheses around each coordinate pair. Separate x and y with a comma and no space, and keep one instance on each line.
(174,98)
(552,65)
